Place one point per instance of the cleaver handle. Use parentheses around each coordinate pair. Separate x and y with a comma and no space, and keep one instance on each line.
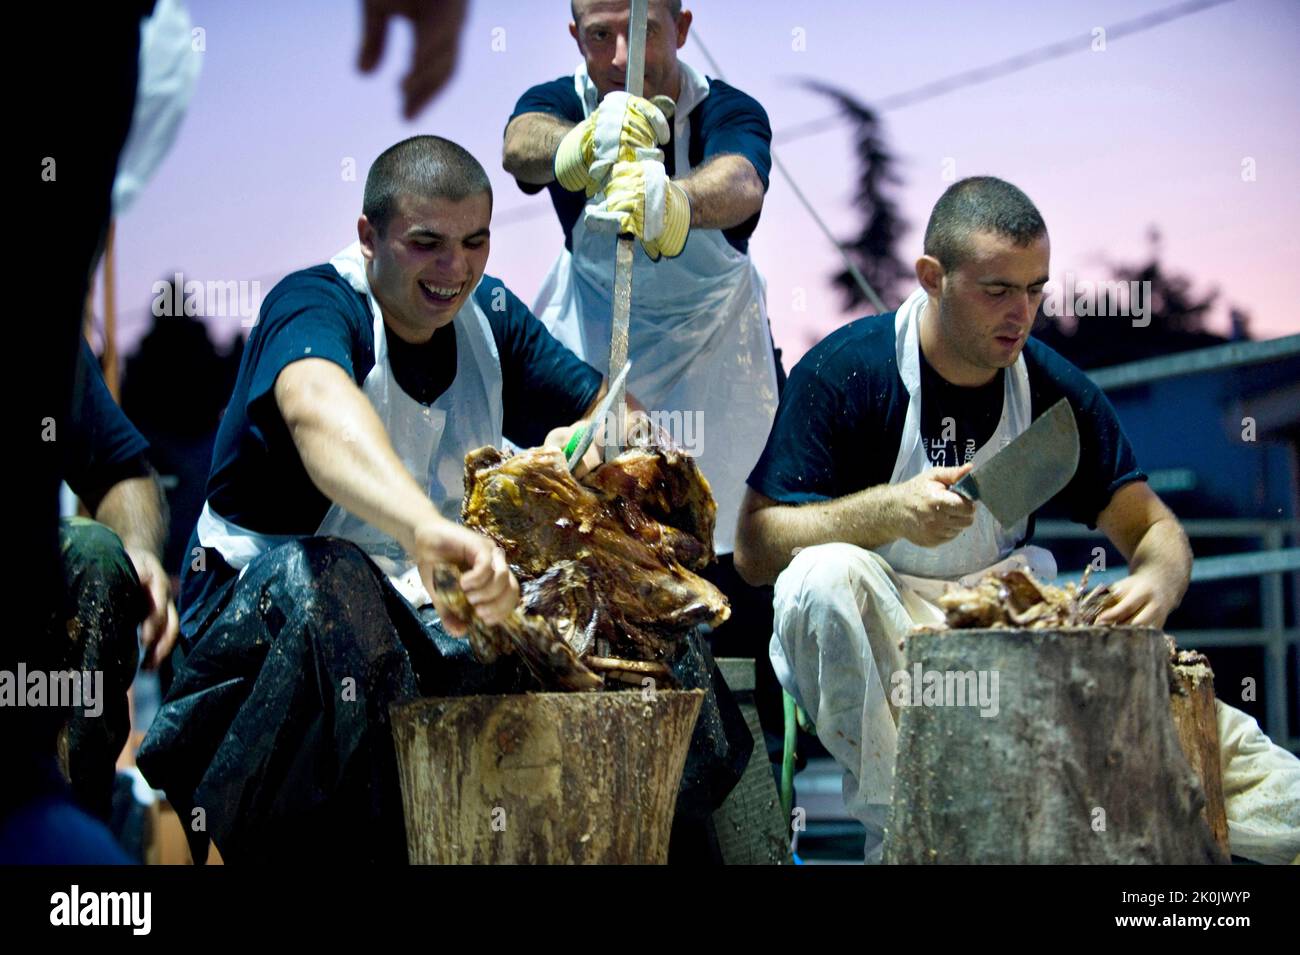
(967,488)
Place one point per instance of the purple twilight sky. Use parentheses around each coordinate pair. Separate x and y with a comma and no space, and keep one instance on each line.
(1153,130)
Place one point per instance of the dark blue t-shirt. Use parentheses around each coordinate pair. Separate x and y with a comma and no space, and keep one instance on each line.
(727,121)
(258,480)
(102,446)
(840,422)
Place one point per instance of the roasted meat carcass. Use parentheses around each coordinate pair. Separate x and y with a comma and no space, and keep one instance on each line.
(1014,598)
(667,487)
(607,558)
(533,637)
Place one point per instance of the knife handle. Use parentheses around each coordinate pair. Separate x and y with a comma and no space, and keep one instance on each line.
(579,440)
(967,488)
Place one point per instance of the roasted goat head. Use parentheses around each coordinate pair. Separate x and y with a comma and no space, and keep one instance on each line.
(606,558)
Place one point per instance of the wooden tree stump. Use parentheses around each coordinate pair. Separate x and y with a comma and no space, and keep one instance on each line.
(543,777)
(1191,702)
(1078,763)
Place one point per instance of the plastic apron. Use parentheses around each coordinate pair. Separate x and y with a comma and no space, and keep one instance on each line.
(985,542)
(698,331)
(431,441)
(169,69)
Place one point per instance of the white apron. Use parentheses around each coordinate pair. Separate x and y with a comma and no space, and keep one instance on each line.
(169,70)
(431,441)
(698,331)
(986,542)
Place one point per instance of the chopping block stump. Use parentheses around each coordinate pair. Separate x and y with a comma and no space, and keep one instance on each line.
(1078,762)
(1191,701)
(543,777)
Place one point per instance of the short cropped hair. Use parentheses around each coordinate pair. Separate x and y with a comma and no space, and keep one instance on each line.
(979,204)
(674,9)
(427,166)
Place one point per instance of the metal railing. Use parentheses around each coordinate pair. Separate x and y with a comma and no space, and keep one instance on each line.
(1231,355)
(1273,563)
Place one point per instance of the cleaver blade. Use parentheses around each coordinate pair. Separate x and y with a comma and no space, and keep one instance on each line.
(1030,470)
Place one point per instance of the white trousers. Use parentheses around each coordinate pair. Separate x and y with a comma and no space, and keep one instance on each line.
(840,613)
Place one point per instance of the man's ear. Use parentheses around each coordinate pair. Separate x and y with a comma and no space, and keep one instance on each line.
(683,28)
(930,274)
(573,32)
(369,237)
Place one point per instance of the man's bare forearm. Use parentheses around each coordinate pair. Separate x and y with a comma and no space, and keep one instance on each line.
(1165,553)
(724,192)
(346,451)
(769,534)
(530,145)
(137,511)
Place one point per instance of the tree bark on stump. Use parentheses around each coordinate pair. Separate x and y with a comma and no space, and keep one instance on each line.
(543,777)
(1079,761)
(1197,722)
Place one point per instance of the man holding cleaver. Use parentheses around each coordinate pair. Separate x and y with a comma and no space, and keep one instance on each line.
(859,512)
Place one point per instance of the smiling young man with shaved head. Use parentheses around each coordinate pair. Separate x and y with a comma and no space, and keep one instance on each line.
(338,472)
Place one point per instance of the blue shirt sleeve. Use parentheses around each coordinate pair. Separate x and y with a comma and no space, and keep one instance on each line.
(735,122)
(557,98)
(798,464)
(840,418)
(104,447)
(305,316)
(544,385)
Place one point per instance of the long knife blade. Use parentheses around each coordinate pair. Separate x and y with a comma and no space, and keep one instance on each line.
(635,85)
(1030,470)
(581,441)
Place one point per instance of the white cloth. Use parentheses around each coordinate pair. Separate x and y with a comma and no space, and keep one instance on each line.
(840,614)
(698,330)
(169,70)
(1261,791)
(1037,560)
(431,441)
(985,541)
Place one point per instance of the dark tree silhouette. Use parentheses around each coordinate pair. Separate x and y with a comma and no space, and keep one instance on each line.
(175,388)
(873,249)
(1177,319)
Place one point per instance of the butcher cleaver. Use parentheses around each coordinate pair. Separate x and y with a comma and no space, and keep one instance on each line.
(1030,470)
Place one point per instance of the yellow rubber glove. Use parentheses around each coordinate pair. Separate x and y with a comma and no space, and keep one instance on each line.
(623,128)
(642,200)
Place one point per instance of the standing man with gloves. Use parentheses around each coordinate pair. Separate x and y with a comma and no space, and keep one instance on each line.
(685,170)
(688,181)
